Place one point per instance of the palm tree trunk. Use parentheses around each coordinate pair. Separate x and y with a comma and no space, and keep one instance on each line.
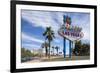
(49,48)
(70,48)
(53,51)
(57,51)
(46,52)
(64,47)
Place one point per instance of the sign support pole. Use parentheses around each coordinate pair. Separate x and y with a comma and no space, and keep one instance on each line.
(64,41)
(70,48)
(64,48)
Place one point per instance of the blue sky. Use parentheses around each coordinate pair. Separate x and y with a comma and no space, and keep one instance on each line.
(34,23)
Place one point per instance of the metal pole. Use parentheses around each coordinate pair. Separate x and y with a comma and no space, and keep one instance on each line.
(70,48)
(64,41)
(64,48)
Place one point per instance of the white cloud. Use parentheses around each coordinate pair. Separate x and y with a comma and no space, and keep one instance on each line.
(31,38)
(37,18)
(31,46)
(57,40)
(86,35)
(45,19)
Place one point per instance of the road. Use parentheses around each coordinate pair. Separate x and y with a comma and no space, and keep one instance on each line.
(57,58)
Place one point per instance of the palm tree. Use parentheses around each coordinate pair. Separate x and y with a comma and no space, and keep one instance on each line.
(57,48)
(53,49)
(45,45)
(49,35)
(78,46)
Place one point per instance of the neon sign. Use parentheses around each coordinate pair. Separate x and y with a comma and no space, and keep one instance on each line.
(71,32)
